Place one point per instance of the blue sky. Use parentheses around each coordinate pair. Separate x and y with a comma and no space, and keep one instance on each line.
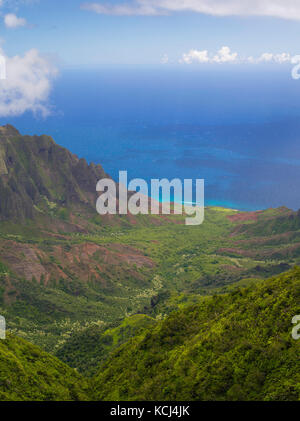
(141,34)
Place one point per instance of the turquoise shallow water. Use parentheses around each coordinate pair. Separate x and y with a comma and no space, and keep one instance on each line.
(238,129)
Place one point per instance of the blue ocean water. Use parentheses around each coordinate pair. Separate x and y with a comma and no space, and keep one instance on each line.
(238,127)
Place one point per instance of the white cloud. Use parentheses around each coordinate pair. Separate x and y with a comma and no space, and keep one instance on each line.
(275,58)
(225,55)
(12,21)
(27,84)
(141,8)
(286,9)
(283,58)
(295,59)
(266,57)
(164,59)
(195,56)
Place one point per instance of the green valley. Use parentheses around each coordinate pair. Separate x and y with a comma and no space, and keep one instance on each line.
(105,293)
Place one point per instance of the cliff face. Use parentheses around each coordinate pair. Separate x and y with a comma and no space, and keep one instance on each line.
(37,175)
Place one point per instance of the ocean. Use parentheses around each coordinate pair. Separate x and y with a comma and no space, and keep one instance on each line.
(236,126)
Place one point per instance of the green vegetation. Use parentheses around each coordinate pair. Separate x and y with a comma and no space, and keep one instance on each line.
(233,346)
(67,269)
(86,350)
(27,373)
(77,280)
(180,310)
(236,346)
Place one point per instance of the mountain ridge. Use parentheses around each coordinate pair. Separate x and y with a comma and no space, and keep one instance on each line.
(36,172)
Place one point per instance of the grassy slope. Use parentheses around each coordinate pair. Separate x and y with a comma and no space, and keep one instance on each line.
(86,350)
(236,346)
(27,373)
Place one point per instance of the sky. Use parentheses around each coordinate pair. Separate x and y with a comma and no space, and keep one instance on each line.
(39,38)
(147,32)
